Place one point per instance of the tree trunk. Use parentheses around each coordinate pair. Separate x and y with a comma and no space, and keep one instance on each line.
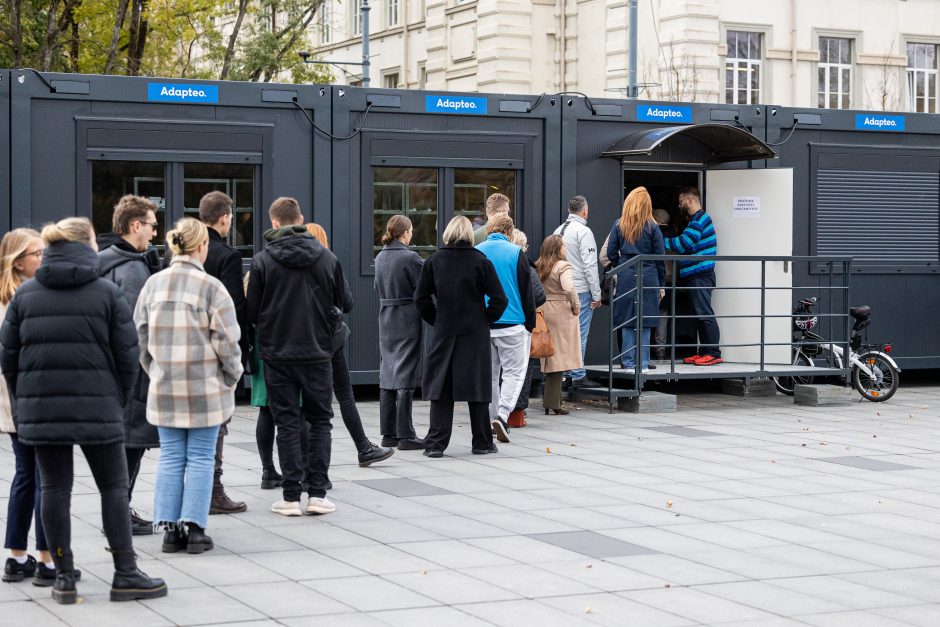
(138,37)
(73,41)
(16,31)
(52,34)
(233,37)
(115,36)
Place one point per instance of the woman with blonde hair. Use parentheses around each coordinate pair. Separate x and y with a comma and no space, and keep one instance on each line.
(636,233)
(70,331)
(20,256)
(183,311)
(561,309)
(451,296)
(397,269)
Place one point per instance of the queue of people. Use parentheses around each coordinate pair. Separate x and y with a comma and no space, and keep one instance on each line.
(147,353)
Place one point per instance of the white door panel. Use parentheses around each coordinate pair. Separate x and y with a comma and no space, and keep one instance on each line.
(761,228)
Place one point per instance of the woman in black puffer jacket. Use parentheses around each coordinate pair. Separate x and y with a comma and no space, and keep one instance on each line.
(69,358)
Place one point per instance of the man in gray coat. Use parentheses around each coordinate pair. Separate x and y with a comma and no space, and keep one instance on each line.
(127,260)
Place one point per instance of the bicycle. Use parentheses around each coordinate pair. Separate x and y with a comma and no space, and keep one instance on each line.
(875,375)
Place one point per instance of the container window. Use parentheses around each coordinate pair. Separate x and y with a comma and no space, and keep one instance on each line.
(236,180)
(411,192)
(112,179)
(473,187)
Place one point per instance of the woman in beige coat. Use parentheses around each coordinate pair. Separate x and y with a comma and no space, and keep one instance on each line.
(561,314)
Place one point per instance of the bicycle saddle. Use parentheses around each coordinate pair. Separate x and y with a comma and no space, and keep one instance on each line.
(860,313)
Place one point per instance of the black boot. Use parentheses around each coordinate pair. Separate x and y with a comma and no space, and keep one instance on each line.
(199,542)
(270,479)
(369,453)
(174,540)
(63,590)
(129,584)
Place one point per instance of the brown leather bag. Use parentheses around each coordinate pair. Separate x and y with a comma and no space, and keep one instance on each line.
(541,339)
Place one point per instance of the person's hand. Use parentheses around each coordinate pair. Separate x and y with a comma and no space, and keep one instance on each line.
(595,304)
(662,293)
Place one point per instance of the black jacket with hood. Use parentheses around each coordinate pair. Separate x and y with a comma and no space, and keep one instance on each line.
(294,284)
(69,352)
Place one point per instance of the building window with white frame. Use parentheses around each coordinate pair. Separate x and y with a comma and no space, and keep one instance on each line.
(325,23)
(835,73)
(922,78)
(391,13)
(356,17)
(390,79)
(743,68)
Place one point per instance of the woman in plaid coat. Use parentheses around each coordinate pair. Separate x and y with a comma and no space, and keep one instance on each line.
(189,347)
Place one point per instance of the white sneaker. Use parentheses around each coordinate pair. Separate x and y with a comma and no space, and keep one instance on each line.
(320,506)
(287,508)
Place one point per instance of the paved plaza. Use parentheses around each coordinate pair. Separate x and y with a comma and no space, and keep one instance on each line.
(736,512)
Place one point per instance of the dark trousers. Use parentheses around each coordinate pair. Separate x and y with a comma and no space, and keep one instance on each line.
(134,457)
(342,388)
(310,383)
(395,413)
(523,401)
(219,441)
(264,436)
(25,499)
(442,421)
(109,468)
(709,336)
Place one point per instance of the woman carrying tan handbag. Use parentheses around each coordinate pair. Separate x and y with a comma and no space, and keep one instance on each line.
(561,315)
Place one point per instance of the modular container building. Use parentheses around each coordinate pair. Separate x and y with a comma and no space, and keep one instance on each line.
(72,144)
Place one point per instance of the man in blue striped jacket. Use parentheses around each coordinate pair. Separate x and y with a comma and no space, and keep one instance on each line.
(698,239)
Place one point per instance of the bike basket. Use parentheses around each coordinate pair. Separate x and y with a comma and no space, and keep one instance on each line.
(811,349)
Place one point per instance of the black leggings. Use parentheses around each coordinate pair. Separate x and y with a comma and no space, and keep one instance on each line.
(109,468)
(342,388)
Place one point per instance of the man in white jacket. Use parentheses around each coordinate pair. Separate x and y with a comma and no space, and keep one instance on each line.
(582,255)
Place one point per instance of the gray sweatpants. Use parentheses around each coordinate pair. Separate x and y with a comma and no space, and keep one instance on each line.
(509,355)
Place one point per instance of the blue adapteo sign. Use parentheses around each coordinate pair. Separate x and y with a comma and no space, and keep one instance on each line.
(664,113)
(870,122)
(180,93)
(461,105)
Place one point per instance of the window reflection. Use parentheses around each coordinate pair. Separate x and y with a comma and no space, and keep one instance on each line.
(473,187)
(411,192)
(112,179)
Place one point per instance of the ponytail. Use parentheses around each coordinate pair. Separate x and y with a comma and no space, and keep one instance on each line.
(187,236)
(397,226)
(69,230)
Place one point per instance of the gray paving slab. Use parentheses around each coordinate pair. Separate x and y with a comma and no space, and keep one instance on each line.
(591,544)
(717,515)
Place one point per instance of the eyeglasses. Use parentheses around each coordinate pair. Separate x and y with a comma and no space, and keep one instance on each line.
(153,225)
(36,253)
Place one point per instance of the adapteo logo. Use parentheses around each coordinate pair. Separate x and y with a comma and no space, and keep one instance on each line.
(868,122)
(170,92)
(663,113)
(462,105)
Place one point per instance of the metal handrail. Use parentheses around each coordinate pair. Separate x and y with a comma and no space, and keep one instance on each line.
(636,293)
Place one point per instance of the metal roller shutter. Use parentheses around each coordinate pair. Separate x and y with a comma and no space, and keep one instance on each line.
(879,218)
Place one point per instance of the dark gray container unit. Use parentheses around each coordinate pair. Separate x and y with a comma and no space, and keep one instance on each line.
(4,150)
(604,157)
(868,185)
(432,155)
(78,142)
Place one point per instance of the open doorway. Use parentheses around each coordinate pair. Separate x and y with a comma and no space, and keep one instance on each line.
(663,187)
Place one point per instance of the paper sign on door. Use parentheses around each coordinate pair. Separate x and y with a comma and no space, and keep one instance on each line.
(745,206)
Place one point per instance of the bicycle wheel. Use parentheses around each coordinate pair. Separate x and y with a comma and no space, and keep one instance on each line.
(786,384)
(884,379)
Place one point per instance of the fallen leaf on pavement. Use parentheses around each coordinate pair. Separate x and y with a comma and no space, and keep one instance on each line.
(548,450)
(668,503)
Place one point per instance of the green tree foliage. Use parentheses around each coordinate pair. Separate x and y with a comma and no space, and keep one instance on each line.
(250,40)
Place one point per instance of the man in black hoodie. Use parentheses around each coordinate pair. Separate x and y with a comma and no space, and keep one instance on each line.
(295,291)
(127,260)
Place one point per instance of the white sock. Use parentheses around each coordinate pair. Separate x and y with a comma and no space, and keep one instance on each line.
(20,559)
(49,565)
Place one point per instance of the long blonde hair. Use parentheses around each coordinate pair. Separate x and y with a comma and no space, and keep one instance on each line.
(549,255)
(14,245)
(319,233)
(637,211)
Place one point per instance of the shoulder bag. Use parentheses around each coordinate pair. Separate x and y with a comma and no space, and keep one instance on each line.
(541,339)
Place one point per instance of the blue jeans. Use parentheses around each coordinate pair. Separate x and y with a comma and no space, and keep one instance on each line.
(25,499)
(584,320)
(628,359)
(184,476)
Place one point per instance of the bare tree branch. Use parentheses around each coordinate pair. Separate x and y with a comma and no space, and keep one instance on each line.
(119,18)
(232,38)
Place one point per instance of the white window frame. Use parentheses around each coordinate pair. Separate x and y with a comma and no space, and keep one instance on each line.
(732,63)
(827,67)
(915,73)
(396,72)
(325,22)
(356,21)
(392,13)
